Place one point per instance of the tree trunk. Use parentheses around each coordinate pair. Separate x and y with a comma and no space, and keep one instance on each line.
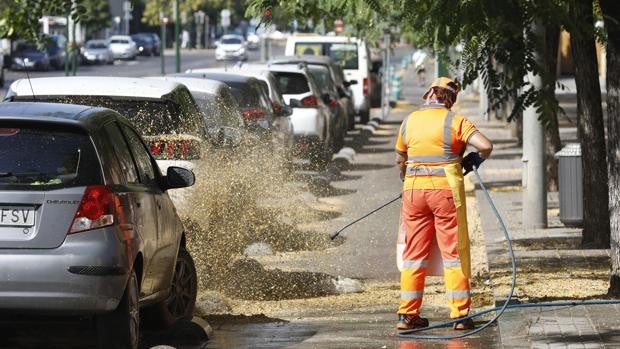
(591,128)
(612,10)
(552,131)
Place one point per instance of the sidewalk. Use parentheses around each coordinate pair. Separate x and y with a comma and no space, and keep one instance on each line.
(551,265)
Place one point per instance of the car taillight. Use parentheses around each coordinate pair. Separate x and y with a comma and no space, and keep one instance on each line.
(276,107)
(175,149)
(310,101)
(8,131)
(366,86)
(96,209)
(253,114)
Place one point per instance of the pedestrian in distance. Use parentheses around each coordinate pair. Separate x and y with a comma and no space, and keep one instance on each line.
(429,148)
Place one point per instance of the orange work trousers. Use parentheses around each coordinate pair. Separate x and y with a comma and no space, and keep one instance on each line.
(429,213)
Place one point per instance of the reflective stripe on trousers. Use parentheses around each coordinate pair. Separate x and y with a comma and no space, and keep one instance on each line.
(429,213)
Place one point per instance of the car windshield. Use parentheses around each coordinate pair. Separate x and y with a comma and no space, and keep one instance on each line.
(322,77)
(292,83)
(96,45)
(119,41)
(344,54)
(39,158)
(151,117)
(231,41)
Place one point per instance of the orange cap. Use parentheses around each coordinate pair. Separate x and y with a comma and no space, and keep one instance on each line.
(443,82)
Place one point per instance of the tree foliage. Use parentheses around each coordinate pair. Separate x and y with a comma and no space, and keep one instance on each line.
(20,18)
(97,15)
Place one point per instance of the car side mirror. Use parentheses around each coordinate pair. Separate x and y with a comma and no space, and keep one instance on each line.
(178,177)
(376,67)
(286,111)
(295,103)
(327,98)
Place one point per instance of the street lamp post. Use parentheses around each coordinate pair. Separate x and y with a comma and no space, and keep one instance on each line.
(199,18)
(177,30)
(162,49)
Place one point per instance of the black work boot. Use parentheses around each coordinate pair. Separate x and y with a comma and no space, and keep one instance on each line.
(464,325)
(410,322)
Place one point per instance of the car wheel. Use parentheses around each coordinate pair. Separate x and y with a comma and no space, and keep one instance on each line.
(120,329)
(179,305)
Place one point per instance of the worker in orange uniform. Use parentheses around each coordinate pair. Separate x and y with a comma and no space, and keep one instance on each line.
(430,148)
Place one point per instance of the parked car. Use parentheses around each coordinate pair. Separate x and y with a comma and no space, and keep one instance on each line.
(311,118)
(91,230)
(144,44)
(123,47)
(97,52)
(255,106)
(164,112)
(28,56)
(330,78)
(231,47)
(253,41)
(222,116)
(282,112)
(351,53)
(55,48)
(156,42)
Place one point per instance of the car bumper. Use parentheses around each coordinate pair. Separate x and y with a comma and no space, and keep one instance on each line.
(229,55)
(122,55)
(86,274)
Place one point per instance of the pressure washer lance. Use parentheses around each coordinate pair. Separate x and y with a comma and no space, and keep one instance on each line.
(336,233)
(411,334)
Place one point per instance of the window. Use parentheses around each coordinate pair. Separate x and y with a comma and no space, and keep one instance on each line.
(122,153)
(292,83)
(46,157)
(344,54)
(322,77)
(141,155)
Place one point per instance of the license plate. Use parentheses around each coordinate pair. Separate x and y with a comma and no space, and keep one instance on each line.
(20,216)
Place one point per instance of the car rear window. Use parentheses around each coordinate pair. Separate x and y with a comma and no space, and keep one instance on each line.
(321,76)
(344,54)
(248,95)
(292,83)
(119,41)
(42,158)
(149,117)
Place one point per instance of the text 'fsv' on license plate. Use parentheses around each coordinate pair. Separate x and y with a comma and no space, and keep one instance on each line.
(17,216)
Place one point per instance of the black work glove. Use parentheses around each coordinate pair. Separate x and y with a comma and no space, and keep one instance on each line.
(470,160)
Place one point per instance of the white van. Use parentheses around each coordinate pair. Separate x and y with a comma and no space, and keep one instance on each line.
(350,52)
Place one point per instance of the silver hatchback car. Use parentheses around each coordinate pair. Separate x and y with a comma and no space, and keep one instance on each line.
(86,224)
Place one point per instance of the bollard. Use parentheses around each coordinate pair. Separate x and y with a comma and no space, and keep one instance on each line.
(395,90)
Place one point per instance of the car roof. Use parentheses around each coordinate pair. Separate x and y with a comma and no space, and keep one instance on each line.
(232,36)
(94,86)
(87,117)
(199,85)
(322,38)
(310,59)
(120,37)
(220,76)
